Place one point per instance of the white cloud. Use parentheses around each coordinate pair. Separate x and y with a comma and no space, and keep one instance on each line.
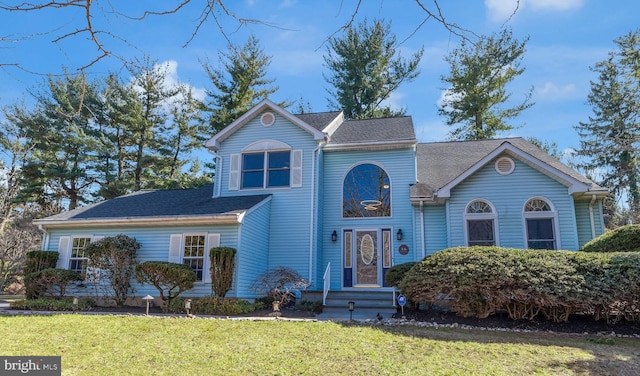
(501,10)
(551,90)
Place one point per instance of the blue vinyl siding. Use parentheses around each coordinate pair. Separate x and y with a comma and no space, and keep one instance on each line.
(508,194)
(291,208)
(435,223)
(254,243)
(583,220)
(154,243)
(400,167)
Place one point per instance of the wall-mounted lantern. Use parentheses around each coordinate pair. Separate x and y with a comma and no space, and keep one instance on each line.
(399,234)
(334,236)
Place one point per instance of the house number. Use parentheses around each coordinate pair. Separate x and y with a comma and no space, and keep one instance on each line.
(403,249)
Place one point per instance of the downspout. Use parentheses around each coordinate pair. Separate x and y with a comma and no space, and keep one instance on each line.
(217,177)
(591,217)
(45,238)
(312,232)
(422,235)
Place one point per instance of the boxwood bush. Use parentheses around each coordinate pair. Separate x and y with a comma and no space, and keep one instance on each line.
(622,239)
(479,281)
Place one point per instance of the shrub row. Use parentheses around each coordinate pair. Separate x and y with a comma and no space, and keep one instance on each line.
(213,305)
(51,304)
(478,281)
(622,239)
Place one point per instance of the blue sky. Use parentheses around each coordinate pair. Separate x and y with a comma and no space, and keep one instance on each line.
(567,37)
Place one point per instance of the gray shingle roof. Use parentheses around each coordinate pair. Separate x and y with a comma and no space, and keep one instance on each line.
(439,163)
(394,129)
(162,203)
(318,120)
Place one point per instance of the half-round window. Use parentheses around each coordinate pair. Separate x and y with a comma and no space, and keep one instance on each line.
(366,192)
(541,220)
(480,218)
(537,205)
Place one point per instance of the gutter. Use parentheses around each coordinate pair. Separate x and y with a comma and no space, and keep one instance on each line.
(422,235)
(144,221)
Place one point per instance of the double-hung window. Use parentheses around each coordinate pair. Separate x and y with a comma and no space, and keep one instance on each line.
(480,220)
(266,169)
(78,259)
(540,220)
(194,246)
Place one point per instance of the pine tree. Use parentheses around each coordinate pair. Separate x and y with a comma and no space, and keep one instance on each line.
(477,83)
(365,69)
(239,84)
(610,139)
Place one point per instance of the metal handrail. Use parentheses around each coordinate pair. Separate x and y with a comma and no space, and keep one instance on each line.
(327,283)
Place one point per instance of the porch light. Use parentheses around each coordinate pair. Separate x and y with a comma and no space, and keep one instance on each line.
(352,305)
(399,234)
(334,236)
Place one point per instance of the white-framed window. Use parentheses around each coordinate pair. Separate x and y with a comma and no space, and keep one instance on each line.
(194,253)
(266,164)
(78,260)
(193,249)
(540,219)
(480,222)
(267,169)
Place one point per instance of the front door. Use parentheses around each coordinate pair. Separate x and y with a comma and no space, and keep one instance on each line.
(367,256)
(367,267)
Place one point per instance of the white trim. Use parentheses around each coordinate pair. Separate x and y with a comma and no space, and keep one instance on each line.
(175,248)
(266,145)
(573,185)
(212,241)
(296,162)
(64,251)
(341,194)
(233,218)
(551,214)
(481,216)
(214,142)
(235,171)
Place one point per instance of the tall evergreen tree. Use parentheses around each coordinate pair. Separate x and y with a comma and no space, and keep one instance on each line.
(239,84)
(477,83)
(62,131)
(610,139)
(365,69)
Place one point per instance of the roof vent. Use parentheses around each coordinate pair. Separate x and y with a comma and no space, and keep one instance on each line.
(505,165)
(267,119)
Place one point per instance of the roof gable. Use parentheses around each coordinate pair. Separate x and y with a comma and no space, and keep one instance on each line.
(214,142)
(442,166)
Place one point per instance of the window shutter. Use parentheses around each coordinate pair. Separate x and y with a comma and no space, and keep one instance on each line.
(296,168)
(64,249)
(234,172)
(175,253)
(213,240)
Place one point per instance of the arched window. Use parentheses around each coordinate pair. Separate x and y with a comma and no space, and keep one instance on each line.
(366,192)
(540,221)
(480,220)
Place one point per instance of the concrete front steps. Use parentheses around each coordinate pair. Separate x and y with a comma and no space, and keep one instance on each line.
(368,304)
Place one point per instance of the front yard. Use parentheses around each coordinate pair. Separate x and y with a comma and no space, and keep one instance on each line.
(132,345)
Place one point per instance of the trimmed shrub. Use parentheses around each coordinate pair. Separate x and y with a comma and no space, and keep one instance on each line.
(50,282)
(222,267)
(40,260)
(622,239)
(213,305)
(397,272)
(170,279)
(478,281)
(52,304)
(114,258)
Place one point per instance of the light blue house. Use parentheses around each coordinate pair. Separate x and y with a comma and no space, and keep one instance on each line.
(341,201)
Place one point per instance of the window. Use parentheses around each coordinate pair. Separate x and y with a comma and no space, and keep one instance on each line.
(540,219)
(78,260)
(194,254)
(366,192)
(480,220)
(266,169)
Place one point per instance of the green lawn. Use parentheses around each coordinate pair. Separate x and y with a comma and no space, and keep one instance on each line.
(137,345)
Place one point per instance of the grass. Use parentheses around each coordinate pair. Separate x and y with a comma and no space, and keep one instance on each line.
(130,345)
